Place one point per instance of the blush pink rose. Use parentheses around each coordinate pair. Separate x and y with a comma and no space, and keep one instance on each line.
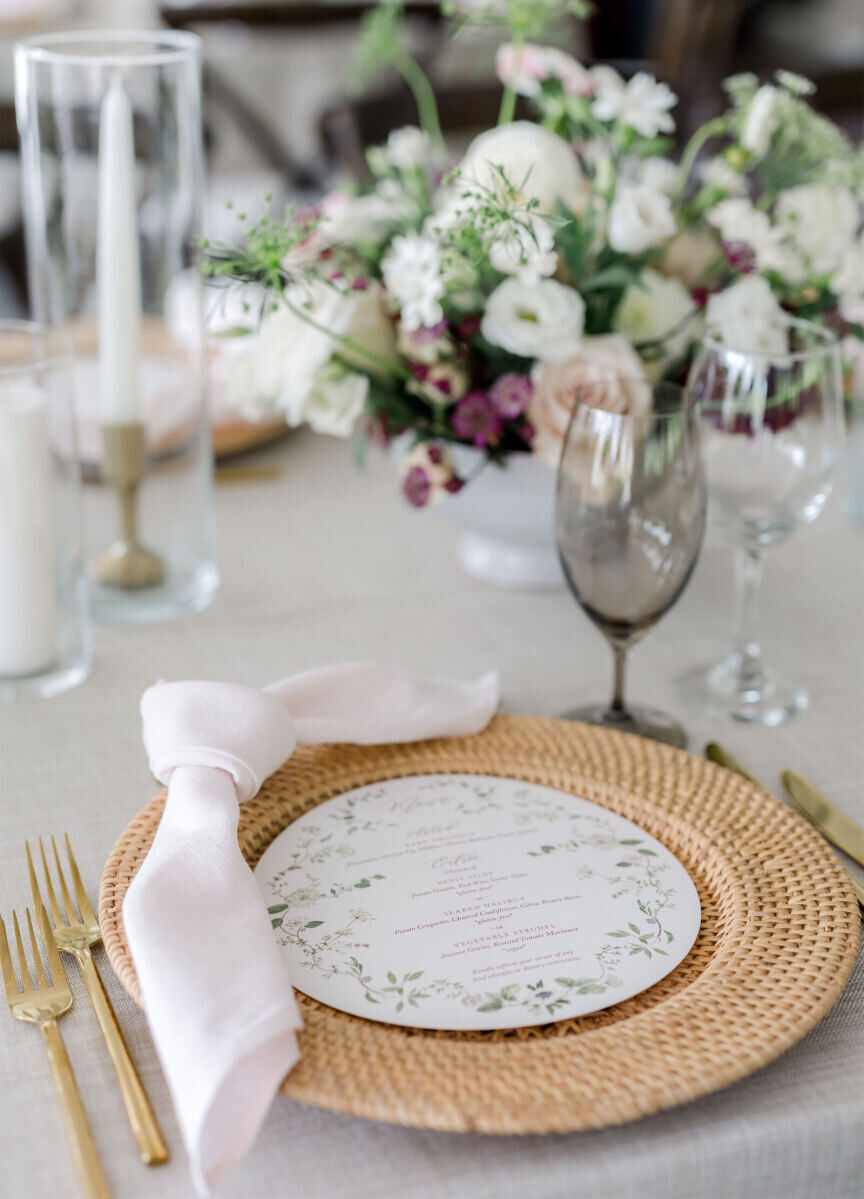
(606,373)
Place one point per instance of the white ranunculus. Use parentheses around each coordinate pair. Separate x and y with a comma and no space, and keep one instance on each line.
(760,121)
(278,366)
(407,148)
(536,162)
(544,321)
(333,402)
(737,220)
(655,309)
(746,317)
(641,103)
(411,270)
(848,282)
(716,172)
(639,218)
(822,221)
(525,250)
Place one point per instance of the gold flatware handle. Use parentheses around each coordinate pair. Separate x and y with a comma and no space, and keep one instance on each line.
(147,1132)
(716,753)
(93,1181)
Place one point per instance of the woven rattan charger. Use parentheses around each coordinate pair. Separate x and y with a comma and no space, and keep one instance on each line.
(779,937)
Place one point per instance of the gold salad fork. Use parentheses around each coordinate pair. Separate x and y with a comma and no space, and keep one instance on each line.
(76,935)
(41,1003)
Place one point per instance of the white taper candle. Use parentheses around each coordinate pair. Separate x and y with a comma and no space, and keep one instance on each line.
(118,265)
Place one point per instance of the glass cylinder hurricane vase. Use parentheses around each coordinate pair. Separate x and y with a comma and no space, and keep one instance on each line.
(112,162)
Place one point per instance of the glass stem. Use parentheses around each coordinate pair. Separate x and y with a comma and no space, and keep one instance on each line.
(749,568)
(618,707)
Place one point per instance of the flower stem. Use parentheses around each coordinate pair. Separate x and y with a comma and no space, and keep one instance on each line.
(699,139)
(508,101)
(386,364)
(424,95)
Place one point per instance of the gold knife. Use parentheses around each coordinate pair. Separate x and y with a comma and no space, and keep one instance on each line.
(716,753)
(831,823)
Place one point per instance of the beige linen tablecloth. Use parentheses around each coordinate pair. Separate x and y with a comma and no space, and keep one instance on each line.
(327,565)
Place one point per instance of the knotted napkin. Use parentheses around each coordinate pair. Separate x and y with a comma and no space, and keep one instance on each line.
(213,980)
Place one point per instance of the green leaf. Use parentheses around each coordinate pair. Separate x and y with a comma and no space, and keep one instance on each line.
(371,998)
(548,848)
(631,841)
(669,936)
(391,977)
(364,882)
(379,876)
(277,907)
(649,853)
(413,977)
(618,933)
(633,927)
(566,982)
(400,1005)
(620,864)
(313,923)
(276,922)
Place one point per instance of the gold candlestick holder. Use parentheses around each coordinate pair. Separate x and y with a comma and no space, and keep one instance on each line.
(127,563)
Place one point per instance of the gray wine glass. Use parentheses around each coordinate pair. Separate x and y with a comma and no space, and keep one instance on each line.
(630,518)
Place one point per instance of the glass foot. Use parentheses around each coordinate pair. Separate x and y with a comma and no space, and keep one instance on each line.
(722,691)
(644,722)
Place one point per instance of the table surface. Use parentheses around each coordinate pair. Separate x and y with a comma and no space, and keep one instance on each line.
(325,564)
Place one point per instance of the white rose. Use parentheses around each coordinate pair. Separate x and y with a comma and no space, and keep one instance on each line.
(641,103)
(639,218)
(536,162)
(333,402)
(746,317)
(279,364)
(655,309)
(544,321)
(848,282)
(407,148)
(526,250)
(760,121)
(822,221)
(411,270)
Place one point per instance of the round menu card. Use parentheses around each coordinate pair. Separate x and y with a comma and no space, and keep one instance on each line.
(454,901)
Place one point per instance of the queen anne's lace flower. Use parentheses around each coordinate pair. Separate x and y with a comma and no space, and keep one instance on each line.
(822,222)
(641,103)
(412,274)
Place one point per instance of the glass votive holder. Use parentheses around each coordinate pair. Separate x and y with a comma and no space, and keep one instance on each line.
(45,642)
(112,176)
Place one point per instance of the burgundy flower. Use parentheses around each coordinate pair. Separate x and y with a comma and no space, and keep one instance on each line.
(700,296)
(454,485)
(511,395)
(526,431)
(435,454)
(360,284)
(419,371)
(469,327)
(476,419)
(416,487)
(740,256)
(430,332)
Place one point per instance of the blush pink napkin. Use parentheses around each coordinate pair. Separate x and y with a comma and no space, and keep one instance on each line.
(217,994)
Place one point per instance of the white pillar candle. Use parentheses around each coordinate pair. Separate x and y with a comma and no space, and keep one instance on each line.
(118,266)
(28,599)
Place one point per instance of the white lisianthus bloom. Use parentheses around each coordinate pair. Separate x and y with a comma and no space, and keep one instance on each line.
(544,321)
(716,172)
(333,402)
(746,316)
(372,329)
(641,103)
(654,309)
(525,250)
(848,282)
(407,148)
(524,67)
(536,162)
(277,371)
(737,220)
(411,270)
(822,221)
(760,121)
(639,218)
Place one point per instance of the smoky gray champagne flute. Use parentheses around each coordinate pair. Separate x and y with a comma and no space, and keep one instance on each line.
(630,518)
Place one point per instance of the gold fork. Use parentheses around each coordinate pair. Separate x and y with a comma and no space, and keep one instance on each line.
(41,1003)
(76,935)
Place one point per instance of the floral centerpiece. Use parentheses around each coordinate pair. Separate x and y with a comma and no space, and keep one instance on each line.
(462,304)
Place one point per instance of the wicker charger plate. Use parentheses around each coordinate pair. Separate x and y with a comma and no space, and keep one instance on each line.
(779,937)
